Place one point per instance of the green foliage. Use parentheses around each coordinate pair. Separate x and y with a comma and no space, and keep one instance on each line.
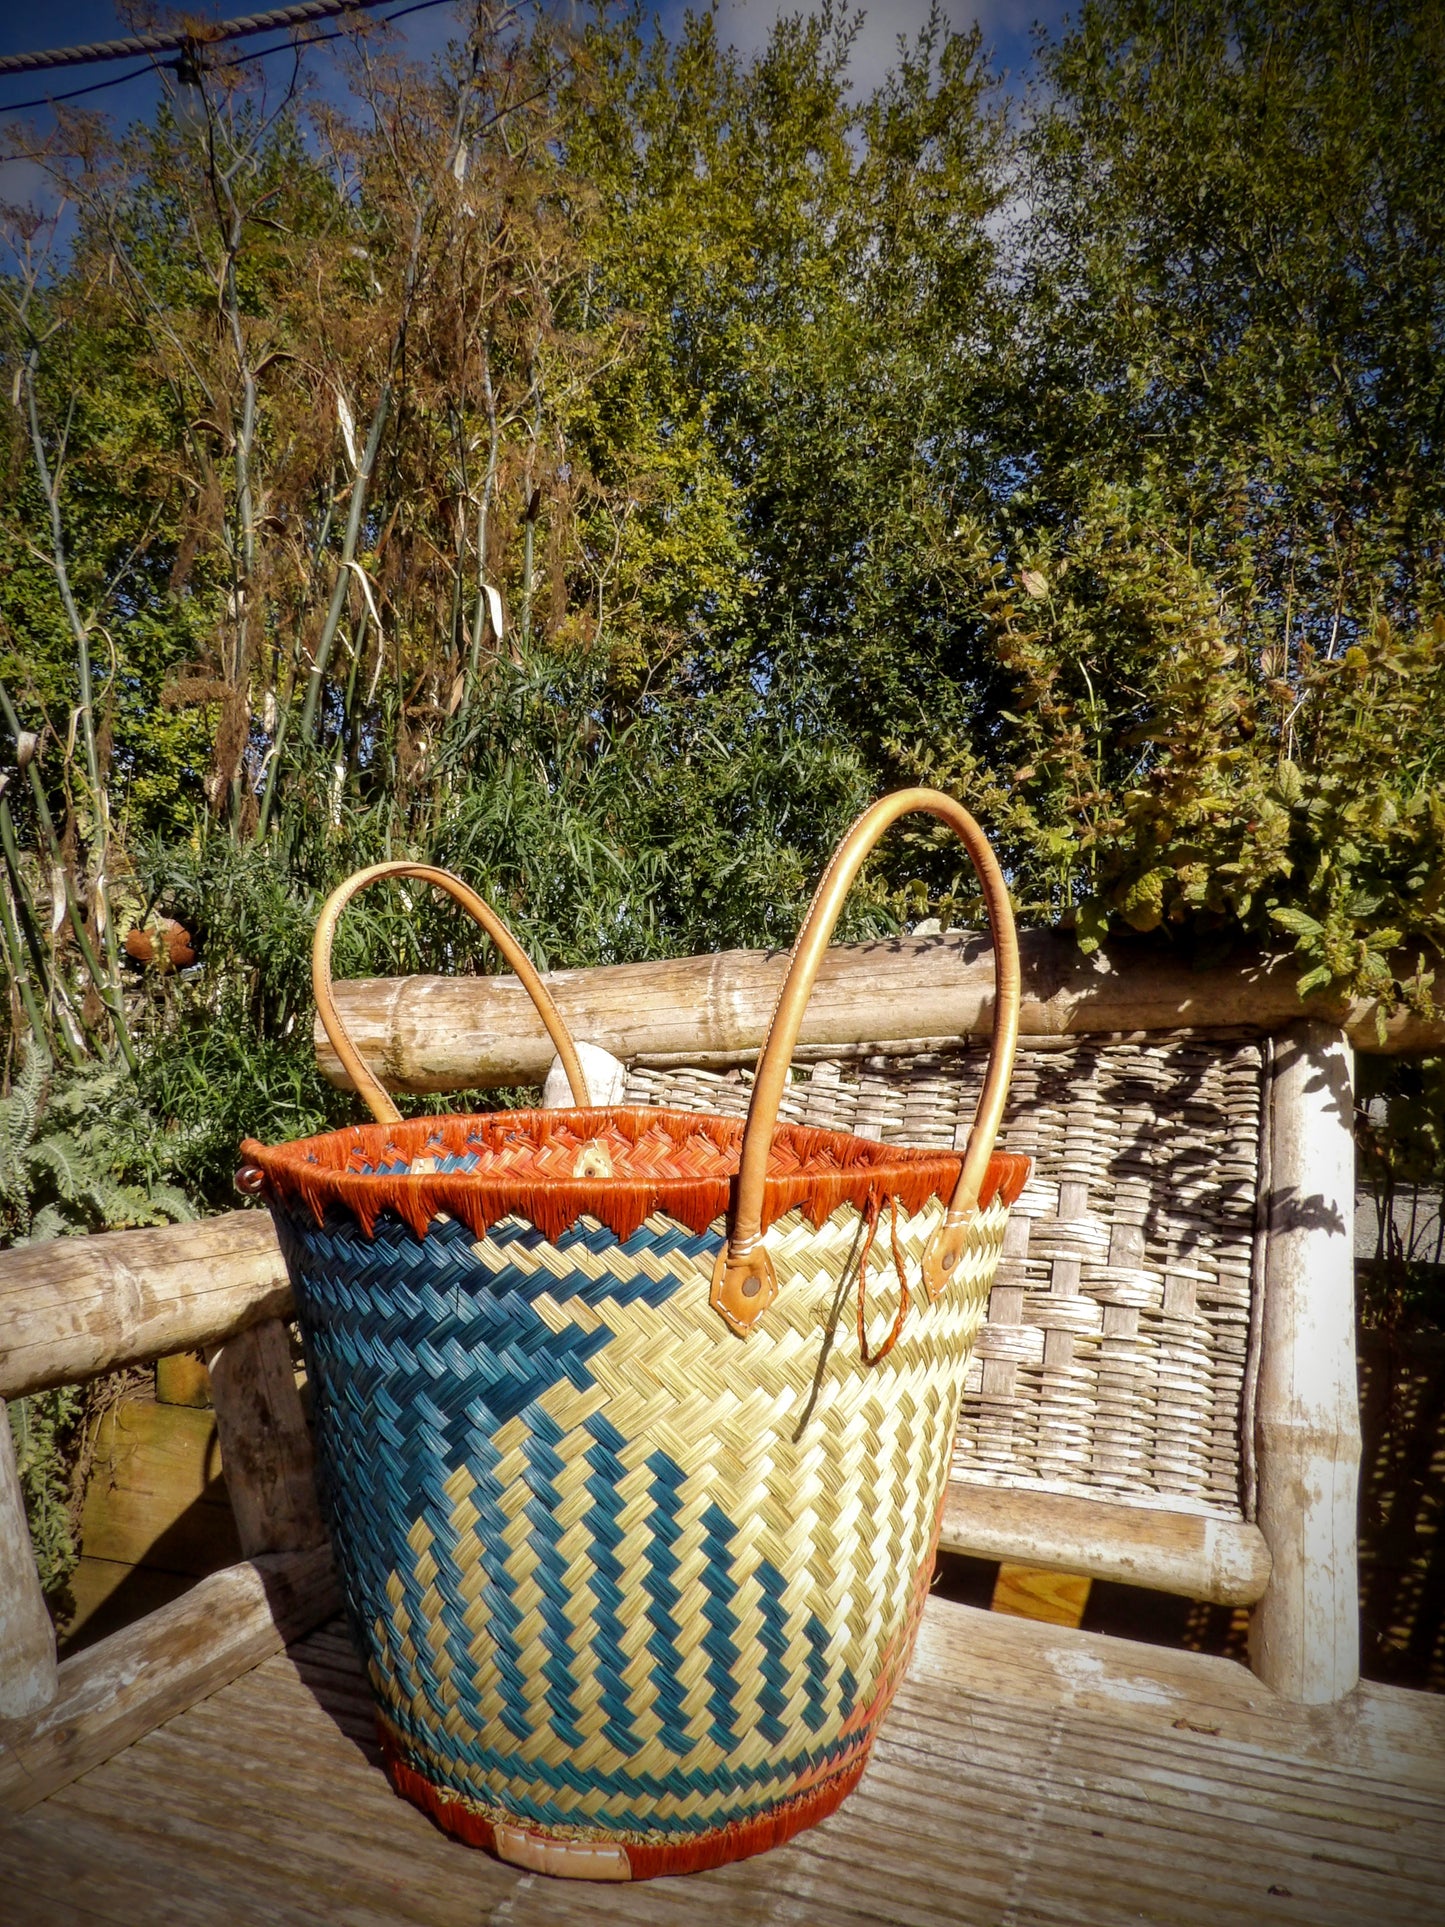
(1158,779)
(81,1155)
(816,281)
(1236,296)
(44,1427)
(1205,585)
(75,1156)
(687,830)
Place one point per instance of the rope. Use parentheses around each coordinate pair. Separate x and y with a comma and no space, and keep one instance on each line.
(178,37)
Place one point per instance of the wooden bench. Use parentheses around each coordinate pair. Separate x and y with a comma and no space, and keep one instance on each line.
(1164,1394)
(1165,1391)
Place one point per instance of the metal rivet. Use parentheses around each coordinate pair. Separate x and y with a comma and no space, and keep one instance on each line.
(752,1285)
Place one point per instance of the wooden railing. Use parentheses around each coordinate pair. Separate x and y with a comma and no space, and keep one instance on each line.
(75,1308)
(458,1033)
(82,1306)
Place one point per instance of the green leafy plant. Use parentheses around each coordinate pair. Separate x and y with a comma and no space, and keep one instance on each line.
(1162,777)
(77,1156)
(46,1429)
(84,1156)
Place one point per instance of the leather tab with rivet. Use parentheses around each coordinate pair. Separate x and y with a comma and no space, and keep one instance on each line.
(742,1287)
(593,1160)
(944,1250)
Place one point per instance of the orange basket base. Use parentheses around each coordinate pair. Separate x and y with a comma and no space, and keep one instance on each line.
(572,1859)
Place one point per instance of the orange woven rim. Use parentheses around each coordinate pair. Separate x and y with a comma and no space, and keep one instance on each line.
(679,1163)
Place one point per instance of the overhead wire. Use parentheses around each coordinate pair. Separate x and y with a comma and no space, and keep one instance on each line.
(237,60)
(74,93)
(173,39)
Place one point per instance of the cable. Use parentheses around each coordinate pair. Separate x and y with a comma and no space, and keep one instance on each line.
(261,53)
(312,40)
(176,38)
(95,87)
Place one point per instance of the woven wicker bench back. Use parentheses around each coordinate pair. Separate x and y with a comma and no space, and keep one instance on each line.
(1116,1355)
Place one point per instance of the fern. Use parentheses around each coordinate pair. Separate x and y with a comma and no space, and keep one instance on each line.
(83,1156)
(65,1164)
(169,1205)
(19,1120)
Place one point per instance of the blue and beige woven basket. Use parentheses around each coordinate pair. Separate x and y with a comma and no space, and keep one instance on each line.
(635,1528)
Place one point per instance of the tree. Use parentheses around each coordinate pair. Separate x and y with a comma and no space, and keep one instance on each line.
(1212,560)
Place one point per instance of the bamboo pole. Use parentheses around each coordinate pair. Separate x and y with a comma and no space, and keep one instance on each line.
(19,976)
(1191,1554)
(1305,1632)
(107,989)
(80,1306)
(110,989)
(446,1034)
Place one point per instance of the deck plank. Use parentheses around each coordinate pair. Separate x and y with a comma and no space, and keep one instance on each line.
(1028,1776)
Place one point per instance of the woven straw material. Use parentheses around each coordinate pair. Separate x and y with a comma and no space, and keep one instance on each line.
(622,1577)
(1115,1357)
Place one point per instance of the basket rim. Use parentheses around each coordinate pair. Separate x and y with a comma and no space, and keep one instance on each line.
(811,1169)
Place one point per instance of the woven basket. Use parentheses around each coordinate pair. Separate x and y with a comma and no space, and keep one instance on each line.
(633,1428)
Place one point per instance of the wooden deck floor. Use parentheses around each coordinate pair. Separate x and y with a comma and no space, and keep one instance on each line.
(1027,1777)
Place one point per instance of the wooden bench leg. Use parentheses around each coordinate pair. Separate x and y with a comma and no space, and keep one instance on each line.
(1305,1632)
(265,1442)
(56,1726)
(27,1637)
(1029,1592)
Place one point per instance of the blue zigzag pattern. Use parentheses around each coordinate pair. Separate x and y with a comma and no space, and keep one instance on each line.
(419,1354)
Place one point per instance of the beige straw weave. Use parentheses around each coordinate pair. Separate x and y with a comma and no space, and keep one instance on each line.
(840,1499)
(1114,1358)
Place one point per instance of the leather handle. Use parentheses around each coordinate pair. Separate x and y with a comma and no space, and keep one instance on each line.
(744,1284)
(376,1099)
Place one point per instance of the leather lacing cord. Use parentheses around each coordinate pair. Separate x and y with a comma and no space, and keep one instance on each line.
(856,1266)
(905,1298)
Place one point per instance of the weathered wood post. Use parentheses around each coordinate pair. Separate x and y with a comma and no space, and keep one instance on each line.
(28,1676)
(265,1444)
(1304,1634)
(69,1312)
